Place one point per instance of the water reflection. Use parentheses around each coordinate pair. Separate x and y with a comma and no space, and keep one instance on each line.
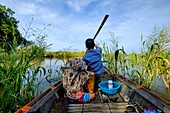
(159,88)
(52,66)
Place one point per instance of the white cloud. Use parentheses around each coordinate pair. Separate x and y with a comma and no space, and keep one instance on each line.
(74,5)
(50,17)
(42,1)
(26,8)
(78,5)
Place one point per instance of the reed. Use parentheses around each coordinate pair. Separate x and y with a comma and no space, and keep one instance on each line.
(143,68)
(19,74)
(153,61)
(115,60)
(17,84)
(51,75)
(109,55)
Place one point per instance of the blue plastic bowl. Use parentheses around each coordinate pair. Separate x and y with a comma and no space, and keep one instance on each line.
(104,87)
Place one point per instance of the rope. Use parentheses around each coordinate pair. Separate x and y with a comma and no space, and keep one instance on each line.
(82,108)
(109,107)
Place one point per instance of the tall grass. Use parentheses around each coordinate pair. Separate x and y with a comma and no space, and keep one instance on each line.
(153,61)
(109,49)
(19,74)
(13,71)
(143,68)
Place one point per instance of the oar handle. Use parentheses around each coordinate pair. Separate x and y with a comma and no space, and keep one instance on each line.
(100,27)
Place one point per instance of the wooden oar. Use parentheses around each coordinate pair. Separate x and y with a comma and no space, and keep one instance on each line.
(100,27)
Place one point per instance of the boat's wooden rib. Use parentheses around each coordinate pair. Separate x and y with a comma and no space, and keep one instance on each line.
(100,107)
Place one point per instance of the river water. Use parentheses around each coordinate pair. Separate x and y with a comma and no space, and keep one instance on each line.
(55,64)
(52,67)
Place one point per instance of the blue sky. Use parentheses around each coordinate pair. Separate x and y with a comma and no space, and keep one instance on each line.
(73,21)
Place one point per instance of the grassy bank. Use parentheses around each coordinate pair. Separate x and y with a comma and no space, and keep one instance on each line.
(63,54)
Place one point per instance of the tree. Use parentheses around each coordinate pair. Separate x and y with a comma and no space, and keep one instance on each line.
(9,29)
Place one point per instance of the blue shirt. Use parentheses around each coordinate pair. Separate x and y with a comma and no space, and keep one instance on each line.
(94,59)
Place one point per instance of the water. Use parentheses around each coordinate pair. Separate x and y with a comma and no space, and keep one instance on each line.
(54,64)
(160,89)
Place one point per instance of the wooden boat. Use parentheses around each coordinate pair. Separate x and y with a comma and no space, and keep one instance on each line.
(131,98)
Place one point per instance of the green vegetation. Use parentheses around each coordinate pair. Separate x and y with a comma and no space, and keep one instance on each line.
(9,29)
(19,67)
(63,54)
(154,59)
(145,67)
(109,54)
(18,76)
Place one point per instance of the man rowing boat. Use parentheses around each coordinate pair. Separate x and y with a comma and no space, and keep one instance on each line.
(93,59)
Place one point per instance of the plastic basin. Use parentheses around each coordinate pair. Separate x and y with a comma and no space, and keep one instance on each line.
(104,87)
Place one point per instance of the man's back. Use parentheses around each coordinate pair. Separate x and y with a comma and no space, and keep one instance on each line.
(94,60)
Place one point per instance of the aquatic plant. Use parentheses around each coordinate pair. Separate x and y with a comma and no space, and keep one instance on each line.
(143,68)
(17,88)
(55,74)
(109,49)
(153,61)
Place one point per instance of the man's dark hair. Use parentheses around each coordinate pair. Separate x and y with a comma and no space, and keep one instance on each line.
(90,43)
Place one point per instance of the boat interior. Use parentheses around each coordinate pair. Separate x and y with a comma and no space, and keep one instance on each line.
(130,98)
(102,103)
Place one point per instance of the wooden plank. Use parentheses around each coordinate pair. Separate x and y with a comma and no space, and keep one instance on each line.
(98,104)
(106,111)
(97,107)
(97,111)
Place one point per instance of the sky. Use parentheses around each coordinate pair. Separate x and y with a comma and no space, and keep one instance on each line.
(68,23)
